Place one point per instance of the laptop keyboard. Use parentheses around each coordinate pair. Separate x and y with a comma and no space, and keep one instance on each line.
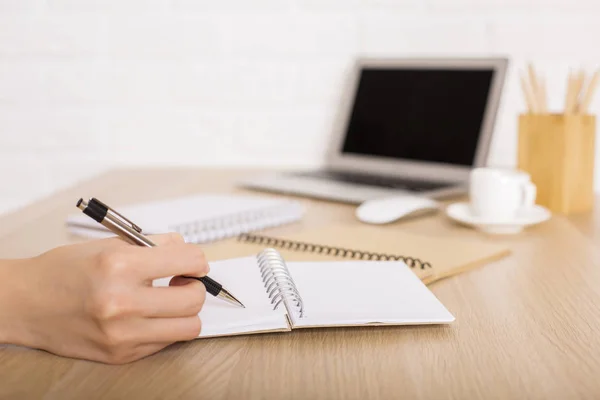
(378,181)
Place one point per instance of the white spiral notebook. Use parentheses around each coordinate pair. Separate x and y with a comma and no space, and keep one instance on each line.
(199,218)
(282,296)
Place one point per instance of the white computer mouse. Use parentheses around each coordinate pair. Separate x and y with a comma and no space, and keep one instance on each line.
(390,209)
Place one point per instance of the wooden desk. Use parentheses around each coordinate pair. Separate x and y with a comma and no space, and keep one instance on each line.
(527,326)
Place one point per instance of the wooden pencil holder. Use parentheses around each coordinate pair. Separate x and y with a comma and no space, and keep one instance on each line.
(557,150)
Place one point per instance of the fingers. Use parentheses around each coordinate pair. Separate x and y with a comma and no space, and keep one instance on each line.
(128,354)
(167,239)
(180,281)
(168,330)
(118,244)
(185,299)
(164,239)
(143,351)
(130,340)
(163,261)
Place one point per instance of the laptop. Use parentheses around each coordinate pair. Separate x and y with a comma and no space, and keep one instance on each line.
(405,127)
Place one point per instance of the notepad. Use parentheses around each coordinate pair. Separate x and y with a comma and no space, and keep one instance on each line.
(282,296)
(199,218)
(430,257)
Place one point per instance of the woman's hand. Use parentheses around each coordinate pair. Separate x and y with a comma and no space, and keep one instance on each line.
(95,300)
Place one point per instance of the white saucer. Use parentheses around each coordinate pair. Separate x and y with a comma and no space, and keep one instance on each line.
(461,212)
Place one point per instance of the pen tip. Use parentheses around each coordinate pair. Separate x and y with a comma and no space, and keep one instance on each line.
(225,295)
(79,202)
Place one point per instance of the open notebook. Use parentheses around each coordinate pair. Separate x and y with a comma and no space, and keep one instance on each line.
(199,218)
(281,296)
(431,258)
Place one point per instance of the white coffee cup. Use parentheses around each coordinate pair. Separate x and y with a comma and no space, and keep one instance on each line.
(499,194)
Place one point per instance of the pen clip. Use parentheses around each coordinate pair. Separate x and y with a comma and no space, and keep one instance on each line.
(122,218)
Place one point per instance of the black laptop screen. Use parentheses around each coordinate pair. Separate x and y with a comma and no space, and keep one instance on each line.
(419,114)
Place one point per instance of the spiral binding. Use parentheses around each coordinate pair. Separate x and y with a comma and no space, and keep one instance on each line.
(333,251)
(201,231)
(278,281)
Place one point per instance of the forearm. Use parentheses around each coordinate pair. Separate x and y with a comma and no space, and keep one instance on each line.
(12,273)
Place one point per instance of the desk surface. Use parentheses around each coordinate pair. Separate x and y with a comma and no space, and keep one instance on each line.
(527,326)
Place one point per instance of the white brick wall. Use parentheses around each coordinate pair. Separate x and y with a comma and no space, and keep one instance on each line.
(90,84)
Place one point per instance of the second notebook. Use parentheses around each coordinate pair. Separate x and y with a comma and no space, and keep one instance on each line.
(199,218)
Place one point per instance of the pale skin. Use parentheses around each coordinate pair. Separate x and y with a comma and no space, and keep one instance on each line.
(95,300)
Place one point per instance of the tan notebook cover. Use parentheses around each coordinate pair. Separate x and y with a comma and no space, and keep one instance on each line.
(430,258)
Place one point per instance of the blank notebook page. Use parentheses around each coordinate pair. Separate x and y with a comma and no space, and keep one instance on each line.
(241,277)
(363,292)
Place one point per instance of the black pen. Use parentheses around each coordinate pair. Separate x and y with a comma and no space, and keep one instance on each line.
(123,227)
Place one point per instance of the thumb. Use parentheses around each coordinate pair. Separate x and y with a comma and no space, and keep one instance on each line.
(180,281)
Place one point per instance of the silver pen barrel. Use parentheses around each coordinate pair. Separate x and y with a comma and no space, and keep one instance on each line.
(129,233)
(127,230)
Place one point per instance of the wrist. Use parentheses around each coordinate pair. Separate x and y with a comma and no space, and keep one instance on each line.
(12,296)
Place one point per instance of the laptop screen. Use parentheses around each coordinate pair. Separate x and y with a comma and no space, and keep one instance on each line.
(430,115)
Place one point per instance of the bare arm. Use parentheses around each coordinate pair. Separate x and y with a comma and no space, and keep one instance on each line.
(96,301)
(11,294)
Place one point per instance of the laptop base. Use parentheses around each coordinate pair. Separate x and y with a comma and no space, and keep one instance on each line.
(348,187)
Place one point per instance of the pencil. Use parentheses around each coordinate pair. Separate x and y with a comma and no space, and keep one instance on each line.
(570,97)
(589,94)
(533,79)
(542,96)
(580,81)
(529,98)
